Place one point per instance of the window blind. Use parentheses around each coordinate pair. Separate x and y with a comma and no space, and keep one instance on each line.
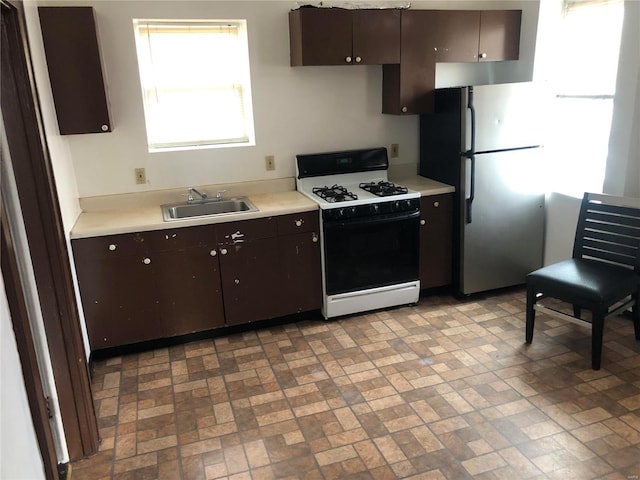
(195,82)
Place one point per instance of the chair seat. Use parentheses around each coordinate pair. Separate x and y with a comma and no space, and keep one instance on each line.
(584,282)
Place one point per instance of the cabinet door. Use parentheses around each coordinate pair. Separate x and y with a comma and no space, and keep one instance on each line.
(75,69)
(376,36)
(499,35)
(118,299)
(250,280)
(188,289)
(407,88)
(456,37)
(320,36)
(301,284)
(436,217)
(299,259)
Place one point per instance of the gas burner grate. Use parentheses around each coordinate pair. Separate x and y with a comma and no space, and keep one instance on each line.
(383,188)
(335,193)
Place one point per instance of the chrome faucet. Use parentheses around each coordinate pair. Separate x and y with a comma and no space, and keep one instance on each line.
(190,198)
(219,195)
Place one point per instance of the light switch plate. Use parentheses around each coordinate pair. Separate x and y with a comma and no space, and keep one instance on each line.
(270,162)
(141,176)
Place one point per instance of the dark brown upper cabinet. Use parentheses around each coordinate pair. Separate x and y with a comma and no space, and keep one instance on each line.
(476,36)
(431,36)
(336,36)
(407,88)
(499,35)
(75,70)
(455,34)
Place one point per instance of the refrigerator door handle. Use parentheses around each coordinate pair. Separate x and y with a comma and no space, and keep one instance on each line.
(472,188)
(471,154)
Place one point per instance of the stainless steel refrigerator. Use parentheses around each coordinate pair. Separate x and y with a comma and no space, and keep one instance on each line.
(484,141)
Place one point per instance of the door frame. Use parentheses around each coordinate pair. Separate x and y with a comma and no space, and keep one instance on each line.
(38,198)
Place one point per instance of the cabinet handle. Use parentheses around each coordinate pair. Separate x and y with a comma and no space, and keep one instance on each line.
(223,251)
(436,204)
(423,222)
(299,222)
(112,247)
(146,261)
(347,59)
(314,237)
(104,127)
(358,59)
(483,55)
(236,281)
(213,252)
(404,109)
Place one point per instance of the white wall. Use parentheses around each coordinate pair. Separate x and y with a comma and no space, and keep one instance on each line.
(297,110)
(20,457)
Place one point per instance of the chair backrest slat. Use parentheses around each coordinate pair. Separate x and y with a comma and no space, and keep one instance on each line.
(608,231)
(605,236)
(610,252)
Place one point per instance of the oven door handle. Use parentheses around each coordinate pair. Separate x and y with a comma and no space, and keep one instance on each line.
(373,220)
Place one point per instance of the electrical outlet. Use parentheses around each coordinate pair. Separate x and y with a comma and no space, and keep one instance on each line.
(395,150)
(141,176)
(270,162)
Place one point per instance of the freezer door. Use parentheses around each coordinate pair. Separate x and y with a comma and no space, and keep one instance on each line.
(508,116)
(505,239)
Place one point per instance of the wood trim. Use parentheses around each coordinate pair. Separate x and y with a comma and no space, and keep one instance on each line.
(26,349)
(47,242)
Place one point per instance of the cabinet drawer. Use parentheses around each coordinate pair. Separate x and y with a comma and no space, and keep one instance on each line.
(298,223)
(181,238)
(438,206)
(247,230)
(110,246)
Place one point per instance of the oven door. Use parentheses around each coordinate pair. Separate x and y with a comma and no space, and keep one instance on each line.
(371,252)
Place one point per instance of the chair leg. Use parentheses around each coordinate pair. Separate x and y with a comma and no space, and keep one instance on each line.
(531,314)
(576,311)
(597,328)
(635,313)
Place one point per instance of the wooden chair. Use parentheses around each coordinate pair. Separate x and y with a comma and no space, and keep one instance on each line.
(604,274)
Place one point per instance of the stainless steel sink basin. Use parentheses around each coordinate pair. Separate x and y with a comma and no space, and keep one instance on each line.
(206,208)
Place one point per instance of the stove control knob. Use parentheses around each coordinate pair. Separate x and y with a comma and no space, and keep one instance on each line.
(397,205)
(353,211)
(374,208)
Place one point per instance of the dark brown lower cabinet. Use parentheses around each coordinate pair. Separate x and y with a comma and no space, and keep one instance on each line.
(189,290)
(436,217)
(117,293)
(301,282)
(151,285)
(250,286)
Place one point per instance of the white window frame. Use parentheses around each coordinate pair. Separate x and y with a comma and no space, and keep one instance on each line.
(196,86)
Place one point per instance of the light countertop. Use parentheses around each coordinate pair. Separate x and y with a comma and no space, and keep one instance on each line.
(120,216)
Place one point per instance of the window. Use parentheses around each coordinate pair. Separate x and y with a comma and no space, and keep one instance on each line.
(584,81)
(195,83)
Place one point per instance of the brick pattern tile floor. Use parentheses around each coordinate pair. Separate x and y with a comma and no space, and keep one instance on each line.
(445,389)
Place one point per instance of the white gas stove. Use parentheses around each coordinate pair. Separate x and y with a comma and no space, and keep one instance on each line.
(369,230)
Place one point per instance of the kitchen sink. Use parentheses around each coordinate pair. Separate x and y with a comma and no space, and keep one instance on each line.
(206,208)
